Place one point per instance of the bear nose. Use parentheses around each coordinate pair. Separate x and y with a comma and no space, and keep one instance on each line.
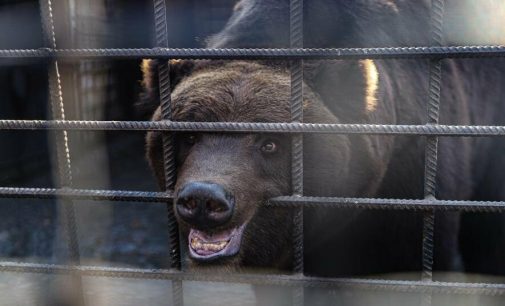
(204,205)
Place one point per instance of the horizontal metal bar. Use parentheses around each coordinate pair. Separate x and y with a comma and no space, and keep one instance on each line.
(85,194)
(294,201)
(397,204)
(245,127)
(295,53)
(265,279)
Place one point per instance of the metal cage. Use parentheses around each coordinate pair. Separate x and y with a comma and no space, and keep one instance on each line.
(296,54)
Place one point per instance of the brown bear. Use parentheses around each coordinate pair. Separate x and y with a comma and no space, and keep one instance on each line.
(223,179)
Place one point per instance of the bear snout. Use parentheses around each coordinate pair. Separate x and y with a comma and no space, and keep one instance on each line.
(204,205)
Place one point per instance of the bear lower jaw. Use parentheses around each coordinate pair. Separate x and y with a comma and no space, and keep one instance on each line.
(208,247)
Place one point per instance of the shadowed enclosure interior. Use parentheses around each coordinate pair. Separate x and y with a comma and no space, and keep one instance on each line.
(61,128)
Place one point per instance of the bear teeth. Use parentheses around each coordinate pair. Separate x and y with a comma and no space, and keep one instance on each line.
(198,244)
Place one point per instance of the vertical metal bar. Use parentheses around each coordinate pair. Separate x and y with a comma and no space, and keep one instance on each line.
(161,29)
(296,41)
(431,151)
(64,165)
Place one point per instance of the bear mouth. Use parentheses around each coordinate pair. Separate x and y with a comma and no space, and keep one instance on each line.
(206,247)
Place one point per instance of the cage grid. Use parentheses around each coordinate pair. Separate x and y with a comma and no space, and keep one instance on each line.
(296,54)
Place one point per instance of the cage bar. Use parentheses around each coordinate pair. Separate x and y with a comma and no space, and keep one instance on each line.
(296,69)
(251,127)
(275,53)
(161,31)
(284,201)
(431,150)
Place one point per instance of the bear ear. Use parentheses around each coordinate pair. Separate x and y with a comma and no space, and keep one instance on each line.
(149,98)
(180,69)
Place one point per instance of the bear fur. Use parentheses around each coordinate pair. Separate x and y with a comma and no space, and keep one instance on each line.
(342,242)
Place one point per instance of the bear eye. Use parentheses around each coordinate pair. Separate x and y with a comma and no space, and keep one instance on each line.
(190,139)
(269,147)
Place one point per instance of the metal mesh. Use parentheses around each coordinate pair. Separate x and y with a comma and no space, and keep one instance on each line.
(296,54)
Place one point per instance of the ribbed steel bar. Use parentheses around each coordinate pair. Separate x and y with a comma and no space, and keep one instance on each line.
(63,161)
(249,127)
(276,53)
(85,194)
(431,150)
(388,204)
(296,69)
(286,201)
(161,32)
(487,289)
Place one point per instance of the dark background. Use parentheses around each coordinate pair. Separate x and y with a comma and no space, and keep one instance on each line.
(119,233)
